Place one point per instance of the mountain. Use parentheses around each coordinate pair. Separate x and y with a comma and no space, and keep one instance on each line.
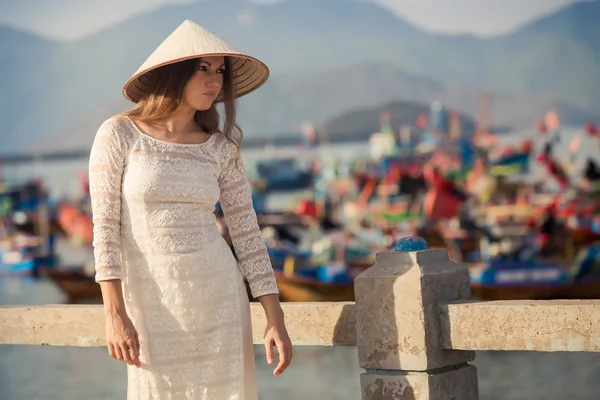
(320,95)
(359,124)
(557,57)
(286,101)
(351,126)
(23,60)
(58,89)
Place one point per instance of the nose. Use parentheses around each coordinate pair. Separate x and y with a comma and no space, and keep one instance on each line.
(212,81)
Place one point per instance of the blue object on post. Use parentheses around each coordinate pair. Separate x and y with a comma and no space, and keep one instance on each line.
(409,244)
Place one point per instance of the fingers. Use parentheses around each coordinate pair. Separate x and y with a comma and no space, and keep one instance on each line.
(281,366)
(134,351)
(125,353)
(123,341)
(285,357)
(117,355)
(111,351)
(269,350)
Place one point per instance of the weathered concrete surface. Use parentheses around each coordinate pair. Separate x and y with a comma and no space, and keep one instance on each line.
(55,325)
(309,324)
(541,325)
(312,324)
(397,306)
(450,384)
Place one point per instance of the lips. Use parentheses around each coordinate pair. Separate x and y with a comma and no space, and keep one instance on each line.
(210,94)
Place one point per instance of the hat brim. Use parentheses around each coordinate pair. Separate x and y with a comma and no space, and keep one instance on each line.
(249,74)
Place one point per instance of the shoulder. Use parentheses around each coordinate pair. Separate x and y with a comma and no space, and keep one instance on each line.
(225,149)
(113,124)
(114,136)
(116,130)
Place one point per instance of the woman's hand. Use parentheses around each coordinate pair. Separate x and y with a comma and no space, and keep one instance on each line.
(122,338)
(276,335)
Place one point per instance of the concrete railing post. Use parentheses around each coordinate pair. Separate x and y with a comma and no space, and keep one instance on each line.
(398,327)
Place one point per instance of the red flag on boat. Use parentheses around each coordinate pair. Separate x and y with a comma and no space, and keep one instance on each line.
(309,132)
(542,128)
(384,117)
(591,129)
(422,121)
(575,143)
(552,120)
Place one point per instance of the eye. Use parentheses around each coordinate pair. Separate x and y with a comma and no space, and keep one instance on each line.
(221,71)
(202,68)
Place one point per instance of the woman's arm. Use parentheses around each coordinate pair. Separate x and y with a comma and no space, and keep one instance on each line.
(236,201)
(251,251)
(276,333)
(121,336)
(107,158)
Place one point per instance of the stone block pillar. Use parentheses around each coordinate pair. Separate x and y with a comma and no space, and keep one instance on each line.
(398,328)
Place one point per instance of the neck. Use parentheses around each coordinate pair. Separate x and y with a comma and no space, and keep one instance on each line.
(181,120)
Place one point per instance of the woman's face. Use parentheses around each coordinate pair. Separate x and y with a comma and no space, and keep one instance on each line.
(205,85)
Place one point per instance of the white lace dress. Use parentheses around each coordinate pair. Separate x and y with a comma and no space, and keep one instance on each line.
(154,229)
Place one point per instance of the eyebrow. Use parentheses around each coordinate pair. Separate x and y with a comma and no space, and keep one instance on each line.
(210,65)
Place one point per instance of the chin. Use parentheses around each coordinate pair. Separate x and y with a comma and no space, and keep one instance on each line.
(204,106)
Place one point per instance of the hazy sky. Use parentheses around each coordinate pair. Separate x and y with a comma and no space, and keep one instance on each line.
(69,19)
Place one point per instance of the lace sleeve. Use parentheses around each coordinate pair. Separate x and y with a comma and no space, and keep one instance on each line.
(236,201)
(107,158)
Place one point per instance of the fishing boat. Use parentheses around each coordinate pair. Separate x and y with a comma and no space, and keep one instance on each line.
(327,283)
(77,285)
(582,236)
(76,223)
(512,160)
(462,246)
(24,262)
(24,253)
(392,214)
(316,274)
(280,254)
(505,279)
(357,259)
(284,174)
(27,197)
(269,218)
(17,263)
(510,165)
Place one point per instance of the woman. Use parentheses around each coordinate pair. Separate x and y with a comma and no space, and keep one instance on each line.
(176,306)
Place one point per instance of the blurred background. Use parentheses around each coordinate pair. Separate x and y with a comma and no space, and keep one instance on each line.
(474,124)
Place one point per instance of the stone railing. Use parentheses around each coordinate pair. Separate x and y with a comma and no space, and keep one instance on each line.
(413,323)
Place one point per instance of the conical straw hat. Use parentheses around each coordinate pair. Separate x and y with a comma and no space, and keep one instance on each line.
(190,40)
